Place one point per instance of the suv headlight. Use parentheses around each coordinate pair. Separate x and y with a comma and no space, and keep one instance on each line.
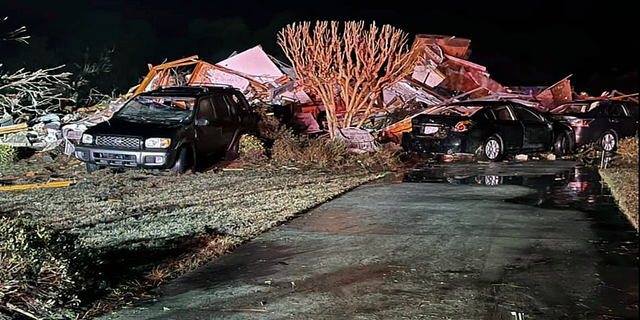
(87,139)
(157,143)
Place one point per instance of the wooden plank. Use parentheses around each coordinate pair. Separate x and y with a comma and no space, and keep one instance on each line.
(14,128)
(55,184)
(175,63)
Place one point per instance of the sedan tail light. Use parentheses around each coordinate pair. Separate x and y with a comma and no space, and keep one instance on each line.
(462,126)
(580,122)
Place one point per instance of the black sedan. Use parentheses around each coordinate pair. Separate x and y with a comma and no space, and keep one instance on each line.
(601,121)
(489,129)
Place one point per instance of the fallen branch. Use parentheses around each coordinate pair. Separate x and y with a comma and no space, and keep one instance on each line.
(16,309)
(29,91)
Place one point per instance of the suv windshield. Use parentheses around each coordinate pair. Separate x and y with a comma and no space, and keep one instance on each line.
(454,110)
(157,109)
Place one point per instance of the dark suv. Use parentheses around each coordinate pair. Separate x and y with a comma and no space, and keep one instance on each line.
(171,128)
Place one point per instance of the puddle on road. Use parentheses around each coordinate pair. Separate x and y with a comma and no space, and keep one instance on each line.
(578,188)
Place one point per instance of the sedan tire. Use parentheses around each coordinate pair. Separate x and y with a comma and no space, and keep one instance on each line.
(492,149)
(563,145)
(608,142)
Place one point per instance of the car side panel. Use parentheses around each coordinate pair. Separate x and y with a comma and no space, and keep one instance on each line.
(511,132)
(208,138)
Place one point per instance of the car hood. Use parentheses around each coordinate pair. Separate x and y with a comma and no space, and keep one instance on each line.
(118,126)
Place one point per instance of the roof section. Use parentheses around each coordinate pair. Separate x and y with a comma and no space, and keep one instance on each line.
(253,63)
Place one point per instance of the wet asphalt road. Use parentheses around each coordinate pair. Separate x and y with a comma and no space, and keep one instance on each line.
(538,239)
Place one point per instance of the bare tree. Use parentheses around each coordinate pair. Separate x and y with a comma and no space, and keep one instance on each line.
(15,35)
(29,92)
(32,92)
(356,64)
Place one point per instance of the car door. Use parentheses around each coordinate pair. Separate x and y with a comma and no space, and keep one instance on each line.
(538,133)
(617,117)
(631,120)
(508,127)
(224,119)
(208,134)
(246,117)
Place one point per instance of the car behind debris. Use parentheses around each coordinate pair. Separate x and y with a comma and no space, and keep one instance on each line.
(489,129)
(601,121)
(172,128)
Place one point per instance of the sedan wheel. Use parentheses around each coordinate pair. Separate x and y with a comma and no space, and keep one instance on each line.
(492,149)
(608,141)
(563,146)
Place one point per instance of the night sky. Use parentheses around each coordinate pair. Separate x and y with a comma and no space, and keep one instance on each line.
(521,43)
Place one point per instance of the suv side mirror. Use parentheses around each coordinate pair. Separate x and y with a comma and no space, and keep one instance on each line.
(202,122)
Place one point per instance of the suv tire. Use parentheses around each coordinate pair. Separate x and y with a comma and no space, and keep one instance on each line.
(91,167)
(181,165)
(233,151)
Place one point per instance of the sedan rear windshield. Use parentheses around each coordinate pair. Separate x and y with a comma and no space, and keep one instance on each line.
(575,108)
(455,110)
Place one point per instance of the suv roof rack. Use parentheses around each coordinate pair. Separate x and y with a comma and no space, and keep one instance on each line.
(190,89)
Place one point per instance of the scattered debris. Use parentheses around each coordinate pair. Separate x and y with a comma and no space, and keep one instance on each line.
(443,76)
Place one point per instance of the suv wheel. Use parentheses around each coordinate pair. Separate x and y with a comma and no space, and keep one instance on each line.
(233,151)
(91,167)
(181,165)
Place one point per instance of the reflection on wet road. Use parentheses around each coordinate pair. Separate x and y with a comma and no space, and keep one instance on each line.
(543,240)
(577,188)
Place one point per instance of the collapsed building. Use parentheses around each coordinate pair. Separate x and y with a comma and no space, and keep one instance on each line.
(445,75)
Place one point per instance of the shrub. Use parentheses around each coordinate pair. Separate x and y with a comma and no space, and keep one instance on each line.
(628,151)
(331,155)
(7,154)
(269,126)
(287,149)
(252,149)
(35,273)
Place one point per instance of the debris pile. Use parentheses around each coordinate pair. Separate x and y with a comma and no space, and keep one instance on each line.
(444,75)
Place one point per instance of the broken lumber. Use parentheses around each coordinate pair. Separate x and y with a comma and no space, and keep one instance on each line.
(55,184)
(14,128)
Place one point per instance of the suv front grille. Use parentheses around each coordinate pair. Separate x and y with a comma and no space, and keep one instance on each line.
(118,142)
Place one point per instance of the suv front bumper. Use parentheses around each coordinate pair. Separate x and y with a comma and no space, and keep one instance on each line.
(124,158)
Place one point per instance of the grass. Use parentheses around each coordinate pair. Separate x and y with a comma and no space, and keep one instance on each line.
(129,232)
(622,178)
(154,227)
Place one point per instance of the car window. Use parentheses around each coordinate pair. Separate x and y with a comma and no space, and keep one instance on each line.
(527,115)
(455,110)
(502,113)
(204,109)
(615,110)
(241,102)
(220,106)
(231,104)
(632,109)
(571,108)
